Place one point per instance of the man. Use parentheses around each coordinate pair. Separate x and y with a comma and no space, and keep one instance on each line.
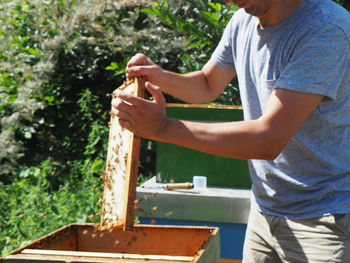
(292,61)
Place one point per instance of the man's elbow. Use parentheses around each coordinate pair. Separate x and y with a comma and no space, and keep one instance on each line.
(270,155)
(271,146)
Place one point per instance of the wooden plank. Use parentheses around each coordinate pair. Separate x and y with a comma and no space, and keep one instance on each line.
(145,240)
(206,106)
(132,169)
(120,177)
(53,240)
(106,255)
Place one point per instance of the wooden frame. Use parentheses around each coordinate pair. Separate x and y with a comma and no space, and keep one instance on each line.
(132,169)
(118,207)
(146,243)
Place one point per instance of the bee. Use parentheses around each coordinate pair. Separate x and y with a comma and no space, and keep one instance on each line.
(169,213)
(138,201)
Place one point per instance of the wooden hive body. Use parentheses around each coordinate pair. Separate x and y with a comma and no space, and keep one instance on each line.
(146,243)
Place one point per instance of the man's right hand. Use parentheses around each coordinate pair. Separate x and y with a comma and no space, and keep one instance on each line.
(140,65)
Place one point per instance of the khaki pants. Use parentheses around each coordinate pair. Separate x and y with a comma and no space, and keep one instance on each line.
(320,240)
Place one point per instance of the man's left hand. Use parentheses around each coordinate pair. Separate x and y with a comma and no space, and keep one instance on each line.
(145,118)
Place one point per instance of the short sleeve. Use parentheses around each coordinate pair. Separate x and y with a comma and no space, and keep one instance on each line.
(318,62)
(222,56)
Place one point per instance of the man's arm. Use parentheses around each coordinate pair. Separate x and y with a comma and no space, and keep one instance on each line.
(263,138)
(200,86)
(196,87)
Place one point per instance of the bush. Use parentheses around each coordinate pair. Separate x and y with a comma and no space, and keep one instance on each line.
(201,23)
(32,210)
(59,59)
(54,109)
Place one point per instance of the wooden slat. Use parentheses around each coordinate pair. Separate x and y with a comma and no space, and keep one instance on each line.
(105,255)
(132,170)
(206,106)
(120,178)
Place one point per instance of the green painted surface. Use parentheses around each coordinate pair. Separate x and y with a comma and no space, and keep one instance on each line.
(211,253)
(181,164)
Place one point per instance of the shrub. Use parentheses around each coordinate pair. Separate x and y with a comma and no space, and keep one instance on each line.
(54,109)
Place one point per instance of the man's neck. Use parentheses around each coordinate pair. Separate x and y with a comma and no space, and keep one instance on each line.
(278,11)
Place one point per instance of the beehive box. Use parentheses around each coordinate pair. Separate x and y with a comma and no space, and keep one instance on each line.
(220,171)
(146,243)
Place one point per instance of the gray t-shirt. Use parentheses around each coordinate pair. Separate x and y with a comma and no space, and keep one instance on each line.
(307,52)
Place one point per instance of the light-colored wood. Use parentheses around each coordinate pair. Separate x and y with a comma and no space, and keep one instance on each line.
(200,244)
(132,169)
(207,106)
(145,240)
(106,255)
(120,177)
(171,186)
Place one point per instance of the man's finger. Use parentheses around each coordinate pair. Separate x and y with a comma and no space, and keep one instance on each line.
(121,114)
(127,98)
(138,59)
(125,124)
(156,93)
(140,70)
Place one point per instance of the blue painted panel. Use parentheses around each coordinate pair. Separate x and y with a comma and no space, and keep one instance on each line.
(231,235)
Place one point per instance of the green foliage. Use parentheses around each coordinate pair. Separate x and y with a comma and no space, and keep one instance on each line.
(201,23)
(54,109)
(32,210)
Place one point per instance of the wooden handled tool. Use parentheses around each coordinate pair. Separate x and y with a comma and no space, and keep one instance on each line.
(178,186)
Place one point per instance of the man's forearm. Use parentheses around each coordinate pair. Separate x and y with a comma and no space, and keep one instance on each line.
(191,87)
(240,140)
(197,87)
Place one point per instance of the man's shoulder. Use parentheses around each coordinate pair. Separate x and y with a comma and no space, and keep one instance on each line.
(321,18)
(330,14)
(241,19)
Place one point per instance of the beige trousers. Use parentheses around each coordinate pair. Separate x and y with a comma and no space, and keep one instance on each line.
(271,239)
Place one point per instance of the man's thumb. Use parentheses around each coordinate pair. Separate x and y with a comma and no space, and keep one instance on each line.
(156,93)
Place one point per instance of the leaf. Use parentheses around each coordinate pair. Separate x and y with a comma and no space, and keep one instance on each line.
(211,18)
(54,209)
(62,4)
(216,6)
